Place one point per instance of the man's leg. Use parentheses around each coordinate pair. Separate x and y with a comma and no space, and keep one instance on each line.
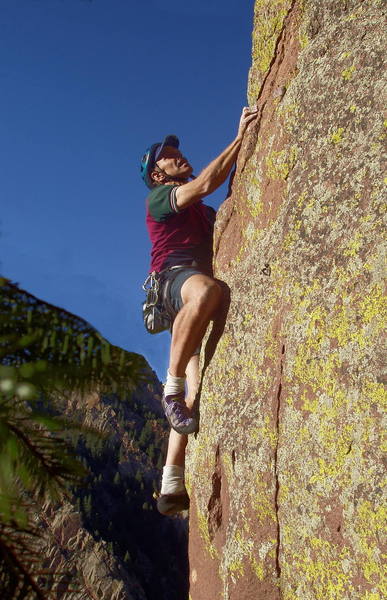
(201,296)
(173,493)
(177,442)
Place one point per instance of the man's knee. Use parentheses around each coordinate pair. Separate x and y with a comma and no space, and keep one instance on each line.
(203,291)
(209,295)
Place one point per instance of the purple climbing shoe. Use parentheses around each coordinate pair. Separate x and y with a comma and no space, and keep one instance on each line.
(178,414)
(170,504)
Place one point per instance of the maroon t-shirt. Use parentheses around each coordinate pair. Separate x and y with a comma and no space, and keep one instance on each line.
(178,237)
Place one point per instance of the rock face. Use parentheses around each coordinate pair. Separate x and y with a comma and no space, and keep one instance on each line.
(285,475)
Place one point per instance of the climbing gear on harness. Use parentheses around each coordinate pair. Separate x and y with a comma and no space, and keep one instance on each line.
(155,316)
(158,312)
(151,155)
(178,414)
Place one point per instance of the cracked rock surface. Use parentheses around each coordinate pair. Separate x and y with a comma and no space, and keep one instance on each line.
(285,474)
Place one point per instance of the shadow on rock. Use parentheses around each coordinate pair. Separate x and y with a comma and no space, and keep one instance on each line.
(218,325)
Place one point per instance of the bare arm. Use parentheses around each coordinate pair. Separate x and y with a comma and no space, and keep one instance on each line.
(218,170)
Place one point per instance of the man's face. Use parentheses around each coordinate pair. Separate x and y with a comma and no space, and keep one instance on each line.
(174,163)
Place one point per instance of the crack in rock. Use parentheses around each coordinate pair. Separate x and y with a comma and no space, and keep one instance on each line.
(215,503)
(252,135)
(278,408)
(268,82)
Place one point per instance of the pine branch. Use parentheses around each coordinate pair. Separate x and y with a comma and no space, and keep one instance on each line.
(10,557)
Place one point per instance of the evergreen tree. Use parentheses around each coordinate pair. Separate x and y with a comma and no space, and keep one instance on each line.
(44,352)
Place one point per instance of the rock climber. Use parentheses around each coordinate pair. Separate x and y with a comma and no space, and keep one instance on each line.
(180,227)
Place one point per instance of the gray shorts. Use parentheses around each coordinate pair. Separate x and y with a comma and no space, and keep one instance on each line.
(178,277)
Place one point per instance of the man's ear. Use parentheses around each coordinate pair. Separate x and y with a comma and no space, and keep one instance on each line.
(157,176)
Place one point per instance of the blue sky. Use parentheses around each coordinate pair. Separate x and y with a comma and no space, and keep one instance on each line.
(86,86)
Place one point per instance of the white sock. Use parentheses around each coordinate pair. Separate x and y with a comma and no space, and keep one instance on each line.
(174,385)
(173,480)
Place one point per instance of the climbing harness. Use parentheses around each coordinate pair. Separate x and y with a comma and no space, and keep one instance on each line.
(158,313)
(155,317)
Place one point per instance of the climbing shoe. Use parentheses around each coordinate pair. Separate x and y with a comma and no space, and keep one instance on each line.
(169,504)
(178,414)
